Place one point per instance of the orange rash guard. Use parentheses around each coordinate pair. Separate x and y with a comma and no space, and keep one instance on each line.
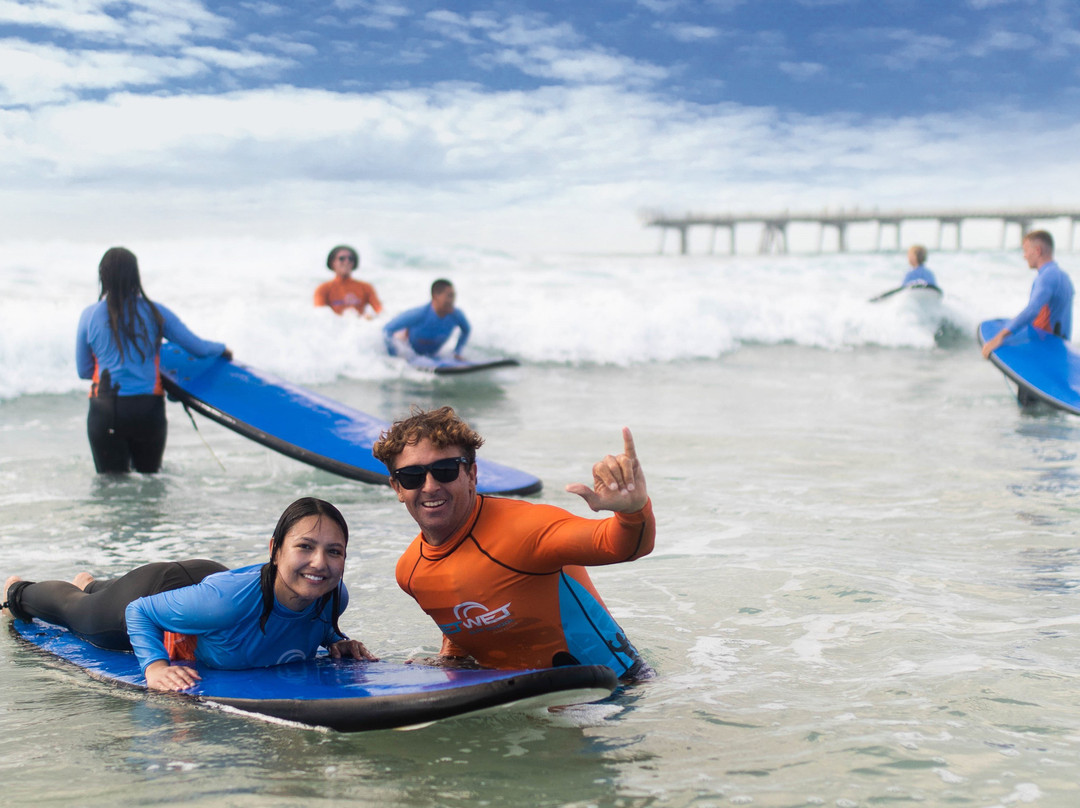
(508,588)
(343,293)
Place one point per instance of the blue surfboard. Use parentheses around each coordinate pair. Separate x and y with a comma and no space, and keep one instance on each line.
(299,423)
(342,694)
(1042,365)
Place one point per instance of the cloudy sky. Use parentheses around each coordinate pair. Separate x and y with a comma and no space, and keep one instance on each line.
(522,124)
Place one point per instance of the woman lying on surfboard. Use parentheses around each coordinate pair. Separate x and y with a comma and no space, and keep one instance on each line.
(197,610)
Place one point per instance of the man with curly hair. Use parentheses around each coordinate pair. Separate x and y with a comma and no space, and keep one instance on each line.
(504,579)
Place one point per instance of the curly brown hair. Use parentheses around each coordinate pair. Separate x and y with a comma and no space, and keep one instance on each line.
(442,427)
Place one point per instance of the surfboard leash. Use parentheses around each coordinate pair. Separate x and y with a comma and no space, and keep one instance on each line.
(209,448)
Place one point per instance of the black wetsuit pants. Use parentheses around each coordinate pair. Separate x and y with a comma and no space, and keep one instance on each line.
(97,615)
(127,432)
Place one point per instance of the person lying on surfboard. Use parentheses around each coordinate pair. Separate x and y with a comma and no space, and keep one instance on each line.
(504,579)
(344,291)
(918,275)
(1050,304)
(197,610)
(427,328)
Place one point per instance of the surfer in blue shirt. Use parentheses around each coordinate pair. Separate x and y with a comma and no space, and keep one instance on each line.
(1050,304)
(199,611)
(117,347)
(427,328)
(918,275)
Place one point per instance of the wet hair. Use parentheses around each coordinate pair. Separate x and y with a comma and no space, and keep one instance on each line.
(121,288)
(442,427)
(440,285)
(330,256)
(301,509)
(919,253)
(1042,237)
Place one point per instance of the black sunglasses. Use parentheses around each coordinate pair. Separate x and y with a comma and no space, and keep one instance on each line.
(444,471)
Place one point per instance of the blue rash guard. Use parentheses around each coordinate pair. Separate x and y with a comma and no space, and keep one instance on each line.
(223,612)
(1050,305)
(96,350)
(428,332)
(918,276)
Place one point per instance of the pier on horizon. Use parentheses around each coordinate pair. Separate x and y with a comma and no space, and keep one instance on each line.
(773,238)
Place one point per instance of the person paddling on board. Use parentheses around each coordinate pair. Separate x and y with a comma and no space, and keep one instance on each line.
(427,328)
(199,611)
(344,291)
(503,579)
(1050,305)
(918,275)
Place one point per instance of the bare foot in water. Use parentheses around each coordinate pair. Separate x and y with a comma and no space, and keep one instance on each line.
(83,580)
(7,586)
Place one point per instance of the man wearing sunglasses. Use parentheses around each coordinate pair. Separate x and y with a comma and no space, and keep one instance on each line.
(504,579)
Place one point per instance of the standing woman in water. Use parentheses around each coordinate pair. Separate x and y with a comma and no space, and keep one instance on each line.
(117,347)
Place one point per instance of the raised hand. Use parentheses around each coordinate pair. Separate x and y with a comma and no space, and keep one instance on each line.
(618,481)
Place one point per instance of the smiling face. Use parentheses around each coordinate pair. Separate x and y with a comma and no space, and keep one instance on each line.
(310,562)
(438,508)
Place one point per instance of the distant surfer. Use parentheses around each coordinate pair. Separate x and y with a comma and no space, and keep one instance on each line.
(344,291)
(1050,305)
(199,611)
(117,346)
(428,327)
(918,275)
(504,579)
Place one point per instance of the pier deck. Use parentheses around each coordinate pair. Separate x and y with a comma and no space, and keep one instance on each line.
(774,226)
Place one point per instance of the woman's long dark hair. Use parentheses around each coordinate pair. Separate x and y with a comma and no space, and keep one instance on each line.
(121,288)
(303,507)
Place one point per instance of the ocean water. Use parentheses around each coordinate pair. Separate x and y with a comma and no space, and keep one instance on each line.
(864,590)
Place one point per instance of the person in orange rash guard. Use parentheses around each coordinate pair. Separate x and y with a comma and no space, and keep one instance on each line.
(504,579)
(344,291)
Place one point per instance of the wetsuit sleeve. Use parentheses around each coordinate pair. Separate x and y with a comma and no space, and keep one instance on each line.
(1041,292)
(189,610)
(322,295)
(407,319)
(463,337)
(553,538)
(84,356)
(176,331)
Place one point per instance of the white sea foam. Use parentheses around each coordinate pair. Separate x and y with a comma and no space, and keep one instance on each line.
(256,296)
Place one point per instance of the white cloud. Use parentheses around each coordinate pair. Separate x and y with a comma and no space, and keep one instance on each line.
(160,23)
(43,74)
(579,66)
(237,60)
(292,47)
(997,41)
(686,32)
(384,15)
(661,6)
(802,71)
